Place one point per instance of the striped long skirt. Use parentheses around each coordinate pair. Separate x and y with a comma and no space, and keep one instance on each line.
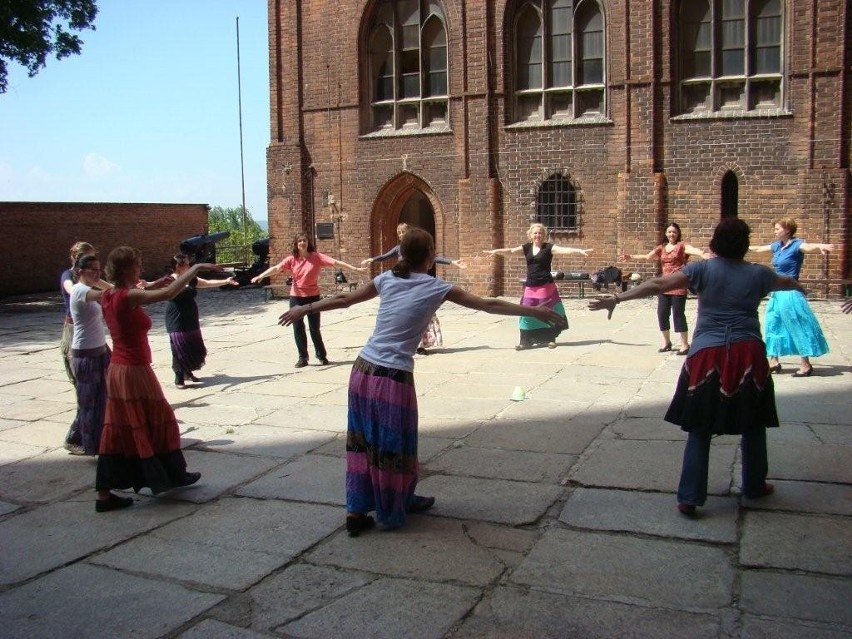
(381,442)
(532,330)
(90,368)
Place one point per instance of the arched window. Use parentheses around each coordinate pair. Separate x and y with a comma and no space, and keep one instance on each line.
(730,194)
(556,204)
(559,60)
(730,55)
(408,65)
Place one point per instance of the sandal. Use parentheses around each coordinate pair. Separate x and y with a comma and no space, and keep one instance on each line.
(683,351)
(420,504)
(355,523)
(666,348)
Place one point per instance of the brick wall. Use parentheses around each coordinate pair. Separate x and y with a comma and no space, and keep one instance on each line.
(635,172)
(38,235)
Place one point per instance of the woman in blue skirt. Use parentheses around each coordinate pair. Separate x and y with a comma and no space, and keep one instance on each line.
(790,326)
(381,439)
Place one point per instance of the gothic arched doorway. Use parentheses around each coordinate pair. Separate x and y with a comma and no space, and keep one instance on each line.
(406,198)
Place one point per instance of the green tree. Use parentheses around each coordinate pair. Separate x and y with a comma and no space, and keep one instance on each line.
(30,30)
(237,248)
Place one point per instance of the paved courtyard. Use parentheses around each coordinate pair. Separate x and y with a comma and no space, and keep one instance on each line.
(555,515)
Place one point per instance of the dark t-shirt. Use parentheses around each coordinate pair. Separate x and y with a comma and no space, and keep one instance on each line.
(182,311)
(538,265)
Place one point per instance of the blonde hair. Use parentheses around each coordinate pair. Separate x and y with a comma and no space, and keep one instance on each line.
(533,227)
(78,249)
(788,224)
(401,229)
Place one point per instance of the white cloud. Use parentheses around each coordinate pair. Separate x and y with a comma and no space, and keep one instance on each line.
(97,166)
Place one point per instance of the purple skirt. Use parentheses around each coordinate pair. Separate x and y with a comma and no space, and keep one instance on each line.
(188,350)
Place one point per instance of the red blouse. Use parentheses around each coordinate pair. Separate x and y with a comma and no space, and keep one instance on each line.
(129,328)
(672,261)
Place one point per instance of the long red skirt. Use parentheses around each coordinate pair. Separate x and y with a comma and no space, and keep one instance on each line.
(140,443)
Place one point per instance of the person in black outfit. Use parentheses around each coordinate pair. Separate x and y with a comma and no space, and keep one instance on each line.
(183,326)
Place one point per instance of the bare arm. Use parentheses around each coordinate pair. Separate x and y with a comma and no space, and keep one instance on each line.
(501,307)
(140,297)
(349,266)
(94,295)
(266,273)
(202,283)
(518,250)
(654,286)
(813,248)
(689,249)
(784,283)
(569,250)
(649,256)
(761,248)
(342,300)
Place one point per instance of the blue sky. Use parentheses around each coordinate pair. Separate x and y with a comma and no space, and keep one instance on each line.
(148,112)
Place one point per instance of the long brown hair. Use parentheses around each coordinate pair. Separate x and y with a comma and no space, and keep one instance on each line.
(311,247)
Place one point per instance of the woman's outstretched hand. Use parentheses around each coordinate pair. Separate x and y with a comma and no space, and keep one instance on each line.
(550,317)
(604,303)
(292,315)
(369,260)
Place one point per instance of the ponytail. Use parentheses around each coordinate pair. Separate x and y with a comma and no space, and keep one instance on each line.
(402,269)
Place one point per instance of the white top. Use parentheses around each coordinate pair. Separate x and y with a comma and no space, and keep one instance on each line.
(89,331)
(405,307)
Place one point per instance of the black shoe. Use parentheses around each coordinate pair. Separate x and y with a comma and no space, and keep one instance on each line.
(356,523)
(324,361)
(420,504)
(775,369)
(301,363)
(188,480)
(666,348)
(193,378)
(806,373)
(113,502)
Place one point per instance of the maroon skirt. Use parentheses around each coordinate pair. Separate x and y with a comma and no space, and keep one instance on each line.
(725,390)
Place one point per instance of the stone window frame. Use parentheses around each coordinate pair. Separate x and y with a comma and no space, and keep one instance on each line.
(407,67)
(725,67)
(538,94)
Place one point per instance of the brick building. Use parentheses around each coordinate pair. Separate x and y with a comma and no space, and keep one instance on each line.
(605,119)
(38,235)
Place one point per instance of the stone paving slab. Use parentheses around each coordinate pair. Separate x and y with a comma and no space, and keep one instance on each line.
(509,502)
(288,595)
(43,434)
(211,629)
(46,477)
(514,613)
(313,478)
(6,508)
(797,542)
(220,473)
(266,441)
(650,514)
(797,596)
(647,428)
(61,532)
(85,597)
(278,528)
(550,435)
(820,463)
(427,548)
(805,497)
(11,451)
(535,410)
(762,628)
(649,465)
(630,569)
(494,463)
(388,609)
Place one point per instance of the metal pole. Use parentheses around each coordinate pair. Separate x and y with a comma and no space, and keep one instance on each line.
(242,165)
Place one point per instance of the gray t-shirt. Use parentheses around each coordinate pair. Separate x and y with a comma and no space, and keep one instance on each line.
(729,292)
(405,308)
(88,317)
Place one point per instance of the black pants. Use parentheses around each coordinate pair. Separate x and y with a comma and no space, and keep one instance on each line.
(313,326)
(676,305)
